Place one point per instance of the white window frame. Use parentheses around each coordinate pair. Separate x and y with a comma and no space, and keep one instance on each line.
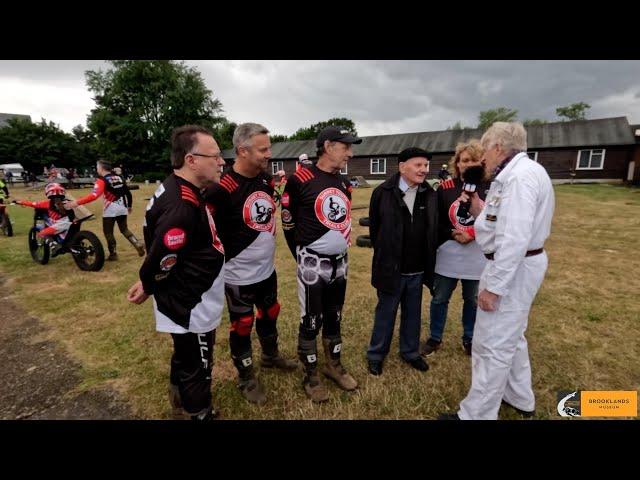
(591,150)
(276,165)
(378,160)
(345,171)
(533,156)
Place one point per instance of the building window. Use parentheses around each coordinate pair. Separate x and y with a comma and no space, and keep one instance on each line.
(345,170)
(533,156)
(275,166)
(378,166)
(590,159)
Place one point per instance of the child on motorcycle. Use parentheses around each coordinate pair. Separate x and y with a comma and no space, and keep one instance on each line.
(57,218)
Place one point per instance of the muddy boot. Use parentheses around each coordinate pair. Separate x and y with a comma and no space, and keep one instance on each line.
(313,386)
(247,382)
(334,369)
(113,256)
(271,357)
(177,412)
(137,244)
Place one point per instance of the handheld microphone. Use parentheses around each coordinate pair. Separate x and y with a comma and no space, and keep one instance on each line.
(472,177)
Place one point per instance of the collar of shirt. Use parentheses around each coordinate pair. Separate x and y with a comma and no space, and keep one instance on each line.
(502,165)
(404,186)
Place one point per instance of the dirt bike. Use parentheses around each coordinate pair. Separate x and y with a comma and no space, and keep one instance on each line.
(6,226)
(84,246)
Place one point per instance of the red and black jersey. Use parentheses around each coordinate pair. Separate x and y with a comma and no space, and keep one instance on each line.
(316,211)
(185,257)
(245,216)
(113,188)
(53,207)
(448,193)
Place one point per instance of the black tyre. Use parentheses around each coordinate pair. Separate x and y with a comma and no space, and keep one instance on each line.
(364,241)
(364,221)
(87,251)
(38,247)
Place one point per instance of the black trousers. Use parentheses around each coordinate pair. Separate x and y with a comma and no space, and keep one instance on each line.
(240,302)
(322,283)
(191,365)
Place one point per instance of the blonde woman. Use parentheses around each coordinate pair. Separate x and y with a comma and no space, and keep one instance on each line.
(459,257)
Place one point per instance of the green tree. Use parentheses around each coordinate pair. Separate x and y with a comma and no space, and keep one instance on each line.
(534,121)
(575,111)
(278,138)
(310,133)
(224,134)
(86,144)
(35,145)
(488,117)
(139,102)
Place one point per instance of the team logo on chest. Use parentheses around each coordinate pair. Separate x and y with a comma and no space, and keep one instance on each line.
(464,224)
(332,209)
(257,212)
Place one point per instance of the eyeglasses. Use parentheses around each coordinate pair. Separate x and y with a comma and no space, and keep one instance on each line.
(217,155)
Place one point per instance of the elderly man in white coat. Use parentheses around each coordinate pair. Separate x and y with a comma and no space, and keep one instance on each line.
(511,230)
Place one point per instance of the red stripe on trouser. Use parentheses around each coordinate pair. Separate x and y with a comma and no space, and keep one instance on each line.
(273,311)
(242,326)
(45,232)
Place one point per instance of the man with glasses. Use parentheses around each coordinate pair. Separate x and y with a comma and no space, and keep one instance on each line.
(184,268)
(316,218)
(245,215)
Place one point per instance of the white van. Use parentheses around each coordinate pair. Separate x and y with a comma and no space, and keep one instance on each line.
(15,168)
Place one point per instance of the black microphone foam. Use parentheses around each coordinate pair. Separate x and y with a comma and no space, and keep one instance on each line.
(473,175)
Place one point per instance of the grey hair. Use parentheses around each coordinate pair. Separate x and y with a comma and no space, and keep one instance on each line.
(243,133)
(511,136)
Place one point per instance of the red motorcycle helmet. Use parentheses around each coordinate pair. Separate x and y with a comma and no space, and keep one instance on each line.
(54,189)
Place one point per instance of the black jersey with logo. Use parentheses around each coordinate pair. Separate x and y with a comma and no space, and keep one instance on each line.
(316,211)
(185,259)
(115,188)
(448,192)
(245,216)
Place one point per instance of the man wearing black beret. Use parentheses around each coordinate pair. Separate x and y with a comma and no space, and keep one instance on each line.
(403,224)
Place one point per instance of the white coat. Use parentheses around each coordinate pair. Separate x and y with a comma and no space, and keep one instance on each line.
(516,218)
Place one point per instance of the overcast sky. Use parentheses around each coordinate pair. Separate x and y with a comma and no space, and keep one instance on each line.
(381,97)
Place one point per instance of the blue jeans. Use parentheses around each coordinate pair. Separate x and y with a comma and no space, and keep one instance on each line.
(443,287)
(409,295)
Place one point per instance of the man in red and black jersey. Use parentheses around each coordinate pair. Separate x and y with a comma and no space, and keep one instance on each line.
(316,218)
(117,205)
(245,215)
(184,267)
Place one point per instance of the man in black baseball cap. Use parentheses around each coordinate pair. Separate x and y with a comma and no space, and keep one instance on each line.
(336,133)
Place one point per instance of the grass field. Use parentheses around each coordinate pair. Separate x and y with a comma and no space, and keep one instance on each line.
(584,327)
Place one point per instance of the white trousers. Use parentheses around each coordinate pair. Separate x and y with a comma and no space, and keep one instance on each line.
(500,358)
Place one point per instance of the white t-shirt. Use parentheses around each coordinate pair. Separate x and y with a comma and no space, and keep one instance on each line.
(455,260)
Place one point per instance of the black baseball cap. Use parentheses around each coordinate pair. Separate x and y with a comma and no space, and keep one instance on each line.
(413,152)
(336,133)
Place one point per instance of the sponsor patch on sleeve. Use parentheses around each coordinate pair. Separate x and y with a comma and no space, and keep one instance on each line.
(175,238)
(286,216)
(168,262)
(285,200)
